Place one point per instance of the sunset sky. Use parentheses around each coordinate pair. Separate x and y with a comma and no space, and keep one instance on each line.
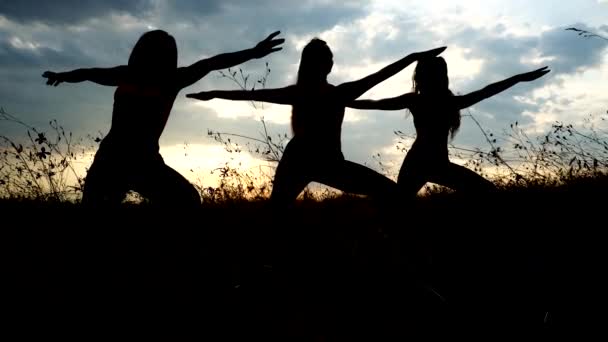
(487,41)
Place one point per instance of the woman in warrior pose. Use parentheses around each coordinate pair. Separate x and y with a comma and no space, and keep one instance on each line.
(436,112)
(314,153)
(128,157)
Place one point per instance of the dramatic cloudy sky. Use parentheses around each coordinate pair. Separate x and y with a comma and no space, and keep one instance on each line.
(488,40)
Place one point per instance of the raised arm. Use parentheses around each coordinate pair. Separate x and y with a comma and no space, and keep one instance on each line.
(470,99)
(191,74)
(103,76)
(284,96)
(349,91)
(394,103)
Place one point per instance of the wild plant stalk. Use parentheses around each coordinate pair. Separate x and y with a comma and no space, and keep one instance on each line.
(586,34)
(39,167)
(270,150)
(563,153)
(235,183)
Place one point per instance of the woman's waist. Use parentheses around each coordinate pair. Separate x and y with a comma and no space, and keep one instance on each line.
(429,150)
(131,143)
(315,147)
(318,141)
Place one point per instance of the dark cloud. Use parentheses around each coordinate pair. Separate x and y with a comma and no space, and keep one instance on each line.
(24,93)
(508,55)
(505,55)
(42,57)
(207,28)
(252,17)
(68,11)
(571,52)
(296,15)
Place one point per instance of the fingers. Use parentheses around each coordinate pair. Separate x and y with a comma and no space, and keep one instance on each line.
(536,74)
(49,76)
(436,51)
(53,82)
(542,71)
(439,50)
(277,42)
(276,49)
(52,78)
(272,35)
(431,53)
(199,96)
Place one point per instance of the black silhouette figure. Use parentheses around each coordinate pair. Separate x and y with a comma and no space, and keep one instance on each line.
(128,157)
(314,153)
(436,112)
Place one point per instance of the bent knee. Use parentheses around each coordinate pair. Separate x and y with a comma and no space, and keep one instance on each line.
(190,196)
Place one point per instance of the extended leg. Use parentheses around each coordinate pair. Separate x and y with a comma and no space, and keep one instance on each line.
(411,179)
(460,178)
(165,186)
(289,179)
(355,178)
(103,186)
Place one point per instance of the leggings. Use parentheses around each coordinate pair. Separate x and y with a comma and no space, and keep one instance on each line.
(415,173)
(302,164)
(113,174)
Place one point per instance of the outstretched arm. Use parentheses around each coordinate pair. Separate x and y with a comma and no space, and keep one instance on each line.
(470,99)
(351,90)
(279,95)
(103,76)
(191,74)
(393,103)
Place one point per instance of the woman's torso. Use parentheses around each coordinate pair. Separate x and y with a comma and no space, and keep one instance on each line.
(432,128)
(139,116)
(317,118)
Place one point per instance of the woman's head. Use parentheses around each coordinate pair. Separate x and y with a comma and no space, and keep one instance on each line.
(431,79)
(316,62)
(431,76)
(154,55)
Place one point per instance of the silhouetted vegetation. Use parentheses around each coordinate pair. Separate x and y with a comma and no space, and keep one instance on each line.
(336,267)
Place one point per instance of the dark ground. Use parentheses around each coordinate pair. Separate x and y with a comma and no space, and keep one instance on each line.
(521,264)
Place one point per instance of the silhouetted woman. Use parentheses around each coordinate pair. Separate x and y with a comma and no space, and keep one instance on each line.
(436,112)
(314,153)
(128,157)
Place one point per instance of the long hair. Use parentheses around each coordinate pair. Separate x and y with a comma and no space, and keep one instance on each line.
(431,78)
(315,64)
(154,57)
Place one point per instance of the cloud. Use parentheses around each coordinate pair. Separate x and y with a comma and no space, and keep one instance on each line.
(68,11)
(17,53)
(364,35)
(571,53)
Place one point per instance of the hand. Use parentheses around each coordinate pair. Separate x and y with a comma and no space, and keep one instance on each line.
(268,45)
(203,95)
(53,78)
(532,75)
(429,53)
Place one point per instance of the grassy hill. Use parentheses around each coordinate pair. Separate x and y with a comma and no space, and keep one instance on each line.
(342,269)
